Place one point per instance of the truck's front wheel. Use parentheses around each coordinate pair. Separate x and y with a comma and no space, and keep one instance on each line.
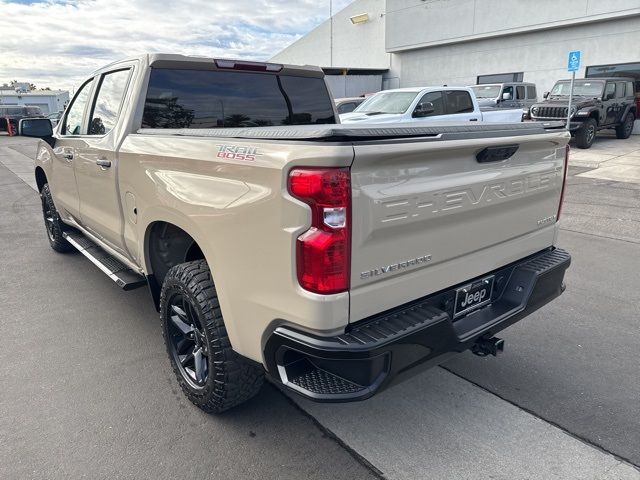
(586,134)
(210,373)
(53,223)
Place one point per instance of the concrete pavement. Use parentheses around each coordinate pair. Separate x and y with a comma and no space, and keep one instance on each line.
(573,363)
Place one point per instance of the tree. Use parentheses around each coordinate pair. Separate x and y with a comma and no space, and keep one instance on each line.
(32,86)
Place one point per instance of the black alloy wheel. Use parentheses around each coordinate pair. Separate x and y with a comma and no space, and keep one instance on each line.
(586,134)
(187,341)
(591,134)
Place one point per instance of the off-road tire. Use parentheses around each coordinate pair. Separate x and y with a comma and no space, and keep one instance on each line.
(231,379)
(53,224)
(624,130)
(586,134)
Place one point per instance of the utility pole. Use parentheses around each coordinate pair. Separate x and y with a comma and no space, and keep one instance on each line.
(573,78)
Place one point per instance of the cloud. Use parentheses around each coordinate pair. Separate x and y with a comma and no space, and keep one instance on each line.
(57,43)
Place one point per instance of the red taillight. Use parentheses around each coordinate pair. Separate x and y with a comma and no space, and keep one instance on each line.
(564,180)
(323,251)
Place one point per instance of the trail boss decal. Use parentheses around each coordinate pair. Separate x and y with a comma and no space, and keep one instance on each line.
(238,152)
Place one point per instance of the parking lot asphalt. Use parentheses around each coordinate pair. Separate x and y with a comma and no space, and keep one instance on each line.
(87,389)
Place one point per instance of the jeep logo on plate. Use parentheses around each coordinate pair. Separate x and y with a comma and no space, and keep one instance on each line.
(473,296)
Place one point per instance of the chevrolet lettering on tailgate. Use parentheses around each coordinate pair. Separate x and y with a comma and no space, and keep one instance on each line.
(444,201)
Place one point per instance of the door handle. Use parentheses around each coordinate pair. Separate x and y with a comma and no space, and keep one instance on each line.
(473,119)
(103,163)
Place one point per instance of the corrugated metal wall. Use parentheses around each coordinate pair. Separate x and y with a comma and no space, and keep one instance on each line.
(353,85)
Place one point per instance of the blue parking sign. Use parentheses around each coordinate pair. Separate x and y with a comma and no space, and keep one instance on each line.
(573,62)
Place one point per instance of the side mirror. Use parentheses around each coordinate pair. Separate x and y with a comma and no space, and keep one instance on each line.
(506,96)
(610,96)
(424,109)
(36,127)
(546,95)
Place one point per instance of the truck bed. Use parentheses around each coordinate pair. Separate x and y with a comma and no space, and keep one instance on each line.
(418,191)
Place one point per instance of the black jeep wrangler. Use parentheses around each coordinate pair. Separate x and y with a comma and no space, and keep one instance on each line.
(597,103)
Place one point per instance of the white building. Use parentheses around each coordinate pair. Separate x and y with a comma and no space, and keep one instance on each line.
(462,42)
(49,101)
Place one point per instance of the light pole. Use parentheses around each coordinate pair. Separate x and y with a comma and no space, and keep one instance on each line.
(331,33)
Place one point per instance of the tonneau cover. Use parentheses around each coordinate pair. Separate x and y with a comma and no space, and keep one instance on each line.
(335,132)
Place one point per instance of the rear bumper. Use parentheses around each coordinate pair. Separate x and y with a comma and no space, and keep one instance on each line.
(573,125)
(374,351)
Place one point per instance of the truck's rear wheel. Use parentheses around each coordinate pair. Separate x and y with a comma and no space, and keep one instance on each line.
(210,373)
(586,134)
(53,224)
(626,127)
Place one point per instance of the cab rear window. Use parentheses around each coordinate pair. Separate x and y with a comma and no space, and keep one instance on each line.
(219,99)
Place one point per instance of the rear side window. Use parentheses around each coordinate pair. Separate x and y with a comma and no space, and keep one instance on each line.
(108,100)
(215,99)
(520,92)
(620,89)
(531,92)
(629,89)
(458,101)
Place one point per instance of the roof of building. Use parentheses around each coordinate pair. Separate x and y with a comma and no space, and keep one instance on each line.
(33,93)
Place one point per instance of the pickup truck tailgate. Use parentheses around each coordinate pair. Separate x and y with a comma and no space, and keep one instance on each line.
(429,214)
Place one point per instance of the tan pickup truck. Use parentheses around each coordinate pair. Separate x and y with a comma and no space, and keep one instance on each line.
(273,239)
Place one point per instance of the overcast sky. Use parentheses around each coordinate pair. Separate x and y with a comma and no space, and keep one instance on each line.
(56,43)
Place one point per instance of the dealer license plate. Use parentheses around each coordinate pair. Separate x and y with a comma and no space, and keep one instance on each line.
(473,295)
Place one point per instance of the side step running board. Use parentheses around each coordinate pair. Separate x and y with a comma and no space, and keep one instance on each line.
(126,278)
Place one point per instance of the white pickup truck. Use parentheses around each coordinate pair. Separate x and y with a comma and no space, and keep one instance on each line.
(428,104)
(272,239)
